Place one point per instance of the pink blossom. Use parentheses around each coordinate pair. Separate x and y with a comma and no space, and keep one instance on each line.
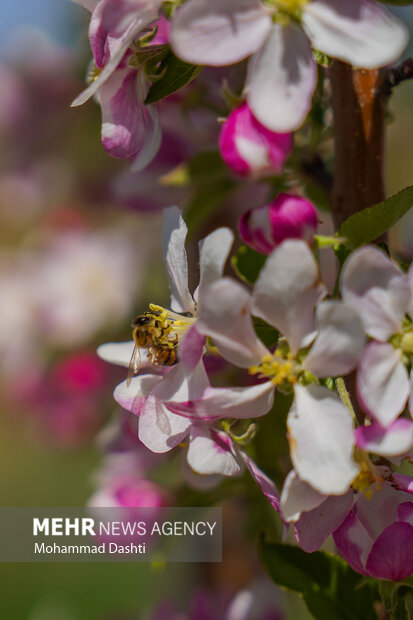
(287,217)
(67,398)
(383,296)
(81,372)
(282,74)
(249,148)
(129,128)
(376,538)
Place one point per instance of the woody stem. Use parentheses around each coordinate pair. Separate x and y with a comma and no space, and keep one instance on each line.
(359,103)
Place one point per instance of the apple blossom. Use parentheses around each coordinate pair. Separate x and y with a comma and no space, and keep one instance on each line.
(250,149)
(123,486)
(113,27)
(322,344)
(286,217)
(282,73)
(382,294)
(314,515)
(210,450)
(376,538)
(129,128)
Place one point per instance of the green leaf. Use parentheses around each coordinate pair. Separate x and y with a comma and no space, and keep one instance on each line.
(266,333)
(371,223)
(206,199)
(175,75)
(248,263)
(329,587)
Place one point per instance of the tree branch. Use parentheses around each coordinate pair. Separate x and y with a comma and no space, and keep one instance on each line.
(359,103)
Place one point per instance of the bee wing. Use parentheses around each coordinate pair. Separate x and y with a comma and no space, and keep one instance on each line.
(134,364)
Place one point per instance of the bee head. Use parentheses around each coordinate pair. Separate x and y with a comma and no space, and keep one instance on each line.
(139,321)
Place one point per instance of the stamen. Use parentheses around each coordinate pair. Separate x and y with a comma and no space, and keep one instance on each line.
(280,367)
(368,476)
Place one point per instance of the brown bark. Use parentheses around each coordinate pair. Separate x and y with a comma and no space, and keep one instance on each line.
(359,107)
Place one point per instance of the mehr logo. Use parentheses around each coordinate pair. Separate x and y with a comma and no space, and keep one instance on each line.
(63,526)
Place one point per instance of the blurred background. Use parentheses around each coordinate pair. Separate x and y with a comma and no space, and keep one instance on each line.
(80,256)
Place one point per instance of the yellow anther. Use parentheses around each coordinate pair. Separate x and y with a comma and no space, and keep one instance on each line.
(93,74)
(278,368)
(368,476)
(407,343)
(290,6)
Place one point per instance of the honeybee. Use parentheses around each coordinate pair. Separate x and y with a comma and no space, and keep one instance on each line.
(150,333)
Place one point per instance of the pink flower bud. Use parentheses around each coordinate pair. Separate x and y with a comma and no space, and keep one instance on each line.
(287,217)
(249,148)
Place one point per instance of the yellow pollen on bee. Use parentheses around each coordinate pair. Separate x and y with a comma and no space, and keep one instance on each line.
(278,368)
(171,324)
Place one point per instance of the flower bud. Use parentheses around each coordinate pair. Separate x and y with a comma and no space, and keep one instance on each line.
(287,217)
(249,148)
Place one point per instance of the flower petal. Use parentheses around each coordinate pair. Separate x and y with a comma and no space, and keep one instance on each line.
(287,291)
(383,385)
(238,402)
(132,395)
(266,485)
(281,79)
(191,348)
(380,510)
(321,438)
(405,512)
(224,316)
(314,526)
(339,343)
(394,440)
(98,36)
(182,384)
(159,429)
(359,32)
(120,353)
(124,119)
(391,556)
(116,56)
(153,139)
(353,542)
(297,497)
(210,452)
(174,235)
(377,289)
(213,254)
(219,32)
(402,482)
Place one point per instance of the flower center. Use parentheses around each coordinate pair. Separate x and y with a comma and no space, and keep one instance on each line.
(290,6)
(404,340)
(287,8)
(280,368)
